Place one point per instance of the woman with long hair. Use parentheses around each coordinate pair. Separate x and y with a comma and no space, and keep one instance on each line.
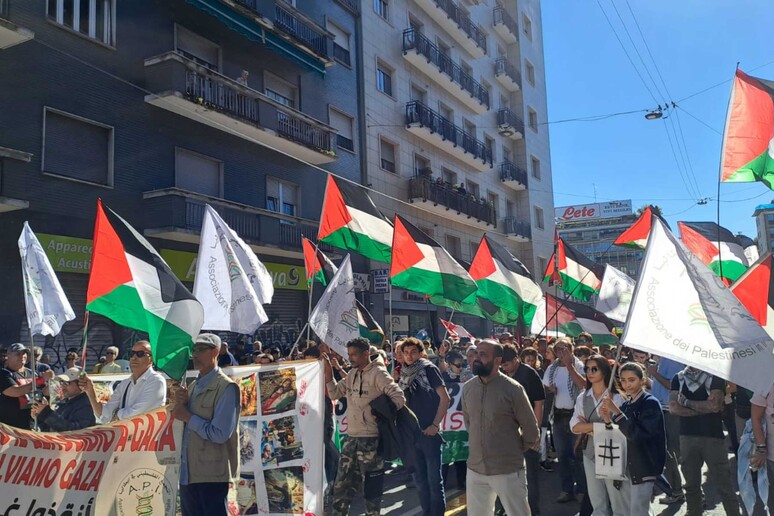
(641,420)
(605,499)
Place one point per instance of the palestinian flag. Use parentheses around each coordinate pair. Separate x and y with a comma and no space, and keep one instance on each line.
(318,267)
(578,276)
(755,289)
(637,234)
(711,244)
(420,264)
(369,328)
(748,139)
(455,330)
(131,285)
(573,319)
(351,221)
(750,248)
(504,280)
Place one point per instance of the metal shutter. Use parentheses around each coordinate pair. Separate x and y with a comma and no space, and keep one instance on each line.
(76,149)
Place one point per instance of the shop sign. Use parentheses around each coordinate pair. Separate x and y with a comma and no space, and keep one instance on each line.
(381,280)
(67,254)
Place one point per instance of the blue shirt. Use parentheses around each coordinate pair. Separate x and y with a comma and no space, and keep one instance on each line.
(668,369)
(219,428)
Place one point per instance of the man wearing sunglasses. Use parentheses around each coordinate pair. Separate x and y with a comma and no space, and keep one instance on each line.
(143,391)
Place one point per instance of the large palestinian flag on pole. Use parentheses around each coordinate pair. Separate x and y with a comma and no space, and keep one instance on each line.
(369,328)
(637,234)
(504,280)
(131,285)
(748,138)
(351,221)
(572,319)
(578,275)
(318,266)
(420,264)
(717,247)
(755,289)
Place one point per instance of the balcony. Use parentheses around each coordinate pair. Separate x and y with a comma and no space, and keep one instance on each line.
(436,130)
(10,33)
(443,199)
(276,24)
(513,176)
(504,25)
(205,96)
(428,58)
(516,230)
(456,22)
(177,215)
(509,125)
(507,74)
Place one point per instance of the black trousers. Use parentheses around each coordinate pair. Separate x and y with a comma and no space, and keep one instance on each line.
(204,499)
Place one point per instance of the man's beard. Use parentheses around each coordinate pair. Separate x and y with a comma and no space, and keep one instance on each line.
(479,369)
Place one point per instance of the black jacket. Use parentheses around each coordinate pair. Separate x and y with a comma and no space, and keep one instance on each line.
(398,431)
(72,414)
(643,425)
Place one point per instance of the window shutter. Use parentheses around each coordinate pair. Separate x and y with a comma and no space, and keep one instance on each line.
(76,149)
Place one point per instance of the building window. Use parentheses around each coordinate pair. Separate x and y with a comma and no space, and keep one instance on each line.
(542,265)
(95,19)
(535,167)
(449,176)
(508,208)
(387,155)
(533,119)
(198,173)
(469,127)
(507,154)
(280,90)
(381,7)
(539,222)
(422,167)
(446,112)
(493,199)
(530,72)
(453,245)
(281,196)
(384,78)
(197,48)
(76,148)
(341,52)
(473,189)
(344,124)
(490,146)
(526,25)
(417,93)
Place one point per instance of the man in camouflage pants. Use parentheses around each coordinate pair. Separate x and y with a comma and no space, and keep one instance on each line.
(360,462)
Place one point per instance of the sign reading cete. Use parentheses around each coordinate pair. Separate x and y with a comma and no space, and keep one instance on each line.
(602,210)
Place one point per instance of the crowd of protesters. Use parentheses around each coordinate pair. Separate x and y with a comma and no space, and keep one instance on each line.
(527,405)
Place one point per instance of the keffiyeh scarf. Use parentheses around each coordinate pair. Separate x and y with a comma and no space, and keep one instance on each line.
(414,376)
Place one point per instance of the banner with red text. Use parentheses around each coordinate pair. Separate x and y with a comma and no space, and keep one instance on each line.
(282,404)
(124,468)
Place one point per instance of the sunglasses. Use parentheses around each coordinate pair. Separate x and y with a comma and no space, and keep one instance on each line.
(460,364)
(591,369)
(138,354)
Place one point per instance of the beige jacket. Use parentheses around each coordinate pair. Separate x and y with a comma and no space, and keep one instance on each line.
(360,387)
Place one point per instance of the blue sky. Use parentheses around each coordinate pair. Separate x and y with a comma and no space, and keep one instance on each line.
(696,44)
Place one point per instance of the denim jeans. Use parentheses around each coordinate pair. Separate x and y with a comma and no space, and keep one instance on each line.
(532,463)
(570,469)
(696,451)
(428,477)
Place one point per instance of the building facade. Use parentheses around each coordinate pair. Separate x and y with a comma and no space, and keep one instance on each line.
(455,134)
(592,229)
(159,107)
(764,222)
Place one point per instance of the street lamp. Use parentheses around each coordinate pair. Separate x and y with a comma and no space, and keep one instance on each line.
(654,115)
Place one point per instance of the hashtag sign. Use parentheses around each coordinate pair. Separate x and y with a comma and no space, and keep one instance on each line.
(608,452)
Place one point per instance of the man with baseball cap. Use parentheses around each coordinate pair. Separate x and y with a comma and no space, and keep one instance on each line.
(143,391)
(73,413)
(210,451)
(16,386)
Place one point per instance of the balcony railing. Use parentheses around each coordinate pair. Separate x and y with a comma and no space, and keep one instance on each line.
(341,54)
(510,172)
(352,5)
(500,15)
(416,112)
(513,226)
(447,195)
(289,22)
(507,118)
(215,91)
(5,8)
(463,21)
(415,40)
(503,67)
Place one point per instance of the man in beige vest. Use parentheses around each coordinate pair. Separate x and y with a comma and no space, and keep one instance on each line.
(210,451)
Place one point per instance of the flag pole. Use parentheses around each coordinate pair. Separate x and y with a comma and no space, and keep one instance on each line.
(310,284)
(84,340)
(392,334)
(720,181)
(446,332)
(33,392)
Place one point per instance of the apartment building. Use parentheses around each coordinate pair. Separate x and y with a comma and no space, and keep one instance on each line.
(455,118)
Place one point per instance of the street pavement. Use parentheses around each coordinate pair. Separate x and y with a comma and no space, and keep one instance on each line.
(400,497)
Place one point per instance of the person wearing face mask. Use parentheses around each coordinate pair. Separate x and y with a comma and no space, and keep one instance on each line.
(640,419)
(697,398)
(455,363)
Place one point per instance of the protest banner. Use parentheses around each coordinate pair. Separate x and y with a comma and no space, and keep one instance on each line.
(453,429)
(126,467)
(280,437)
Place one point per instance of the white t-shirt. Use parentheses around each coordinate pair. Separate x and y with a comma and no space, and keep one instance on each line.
(768,402)
(563,400)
